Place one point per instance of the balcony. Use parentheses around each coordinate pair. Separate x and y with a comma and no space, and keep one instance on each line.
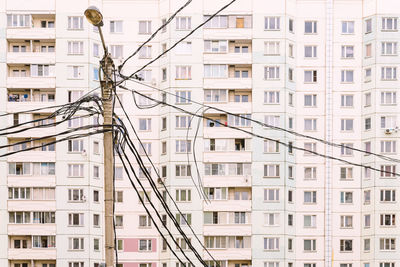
(31,181)
(31,58)
(31,33)
(227,58)
(228,33)
(226,181)
(228,205)
(35,132)
(226,229)
(31,82)
(31,205)
(32,254)
(232,107)
(31,229)
(227,83)
(225,132)
(237,52)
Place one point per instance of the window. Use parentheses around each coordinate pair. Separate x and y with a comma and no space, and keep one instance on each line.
(310,197)
(389,48)
(146,197)
(75,170)
(271,170)
(119,221)
(145,124)
(272,23)
(310,27)
(145,51)
(96,220)
(290,220)
(368,50)
(346,125)
(76,243)
(310,147)
(367,220)
(144,221)
(75,72)
(145,148)
(291,25)
(389,24)
(347,51)
(347,76)
(310,124)
(119,196)
(387,243)
(310,76)
(116,51)
(182,243)
(183,23)
(75,48)
(76,195)
(215,46)
(367,196)
(271,146)
(72,97)
(388,98)
(271,48)
(388,219)
(183,146)
(347,27)
(145,75)
(310,245)
(388,146)
(145,27)
(183,195)
(346,100)
(116,26)
(387,264)
(367,99)
(271,243)
(19,193)
(19,217)
(388,195)
(76,264)
(75,219)
(96,244)
(118,173)
(271,219)
(145,245)
(215,71)
(346,197)
(388,73)
(310,221)
(271,73)
(75,145)
(75,23)
(290,196)
(271,97)
(388,171)
(310,173)
(271,195)
(42,70)
(18,20)
(291,50)
(310,100)
(182,170)
(346,245)
(181,218)
(183,72)
(217,22)
(310,51)
(239,120)
(389,122)
(346,173)
(346,149)
(95,196)
(368,26)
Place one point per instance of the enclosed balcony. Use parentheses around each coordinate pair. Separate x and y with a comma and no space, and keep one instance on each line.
(32,247)
(25,99)
(233,101)
(31,76)
(227,222)
(45,153)
(41,119)
(228,51)
(35,26)
(31,52)
(227,76)
(229,247)
(215,126)
(33,263)
(230,27)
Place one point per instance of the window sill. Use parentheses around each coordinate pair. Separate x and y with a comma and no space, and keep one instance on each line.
(384,30)
(72,29)
(270,30)
(347,58)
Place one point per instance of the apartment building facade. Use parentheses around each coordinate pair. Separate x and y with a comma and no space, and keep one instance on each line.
(326,69)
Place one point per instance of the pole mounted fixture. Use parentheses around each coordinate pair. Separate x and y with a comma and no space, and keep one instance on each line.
(95,17)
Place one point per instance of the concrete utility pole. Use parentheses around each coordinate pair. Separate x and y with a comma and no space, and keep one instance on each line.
(95,17)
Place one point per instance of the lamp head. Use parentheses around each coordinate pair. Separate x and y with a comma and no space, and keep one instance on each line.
(94,16)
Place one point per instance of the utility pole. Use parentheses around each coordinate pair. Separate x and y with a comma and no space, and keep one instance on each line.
(95,17)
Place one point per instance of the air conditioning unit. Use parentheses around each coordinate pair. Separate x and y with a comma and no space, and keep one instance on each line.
(391,130)
(160,180)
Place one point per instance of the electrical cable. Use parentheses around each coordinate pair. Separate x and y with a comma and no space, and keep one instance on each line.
(153,35)
(175,44)
(272,126)
(270,139)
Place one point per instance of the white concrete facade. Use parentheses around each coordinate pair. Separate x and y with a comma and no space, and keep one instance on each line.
(323,68)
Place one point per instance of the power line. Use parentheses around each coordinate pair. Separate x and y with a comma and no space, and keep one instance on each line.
(270,126)
(266,138)
(153,35)
(175,44)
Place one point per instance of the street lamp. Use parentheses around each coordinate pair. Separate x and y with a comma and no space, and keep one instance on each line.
(95,17)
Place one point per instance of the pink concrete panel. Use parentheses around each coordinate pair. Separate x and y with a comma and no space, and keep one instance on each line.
(153,245)
(131,264)
(131,245)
